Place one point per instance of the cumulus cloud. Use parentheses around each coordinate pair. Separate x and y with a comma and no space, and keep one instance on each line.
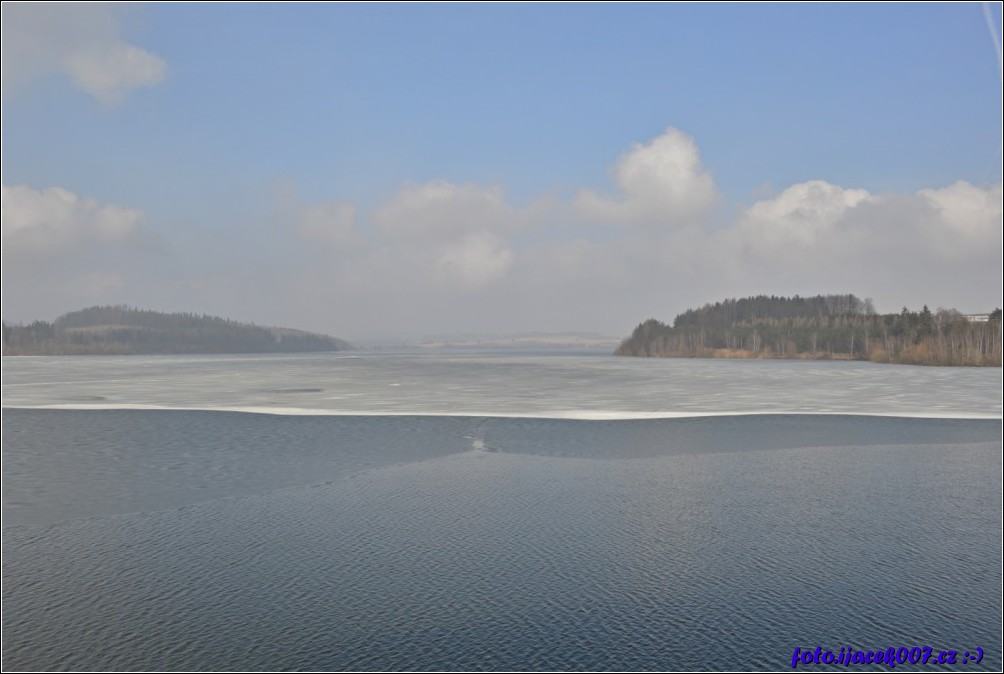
(443,257)
(79,40)
(828,220)
(472,261)
(447,235)
(802,215)
(661,182)
(107,71)
(969,211)
(55,218)
(63,251)
(811,203)
(441,209)
(940,247)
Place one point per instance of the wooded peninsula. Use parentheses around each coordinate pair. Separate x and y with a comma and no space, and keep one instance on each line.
(831,327)
(121,330)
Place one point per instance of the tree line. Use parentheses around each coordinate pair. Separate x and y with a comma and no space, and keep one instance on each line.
(121,330)
(835,327)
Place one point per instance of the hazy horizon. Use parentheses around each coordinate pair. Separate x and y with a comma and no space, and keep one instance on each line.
(374,171)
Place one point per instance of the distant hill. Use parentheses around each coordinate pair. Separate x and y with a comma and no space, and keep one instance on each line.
(529,341)
(834,327)
(121,330)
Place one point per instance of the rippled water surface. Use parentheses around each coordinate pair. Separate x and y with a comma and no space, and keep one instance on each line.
(494,512)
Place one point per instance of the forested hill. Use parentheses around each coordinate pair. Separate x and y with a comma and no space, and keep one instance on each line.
(822,327)
(116,330)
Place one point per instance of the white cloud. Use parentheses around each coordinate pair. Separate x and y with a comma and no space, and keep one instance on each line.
(79,40)
(62,251)
(55,218)
(662,182)
(804,214)
(969,211)
(107,71)
(815,222)
(441,209)
(446,236)
(473,261)
(443,257)
(940,247)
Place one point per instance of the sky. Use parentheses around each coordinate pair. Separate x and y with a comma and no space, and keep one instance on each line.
(382,171)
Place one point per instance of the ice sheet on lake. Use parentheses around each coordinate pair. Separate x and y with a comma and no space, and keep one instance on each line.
(504,385)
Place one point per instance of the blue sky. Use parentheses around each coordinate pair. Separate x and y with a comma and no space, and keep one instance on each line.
(376,170)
